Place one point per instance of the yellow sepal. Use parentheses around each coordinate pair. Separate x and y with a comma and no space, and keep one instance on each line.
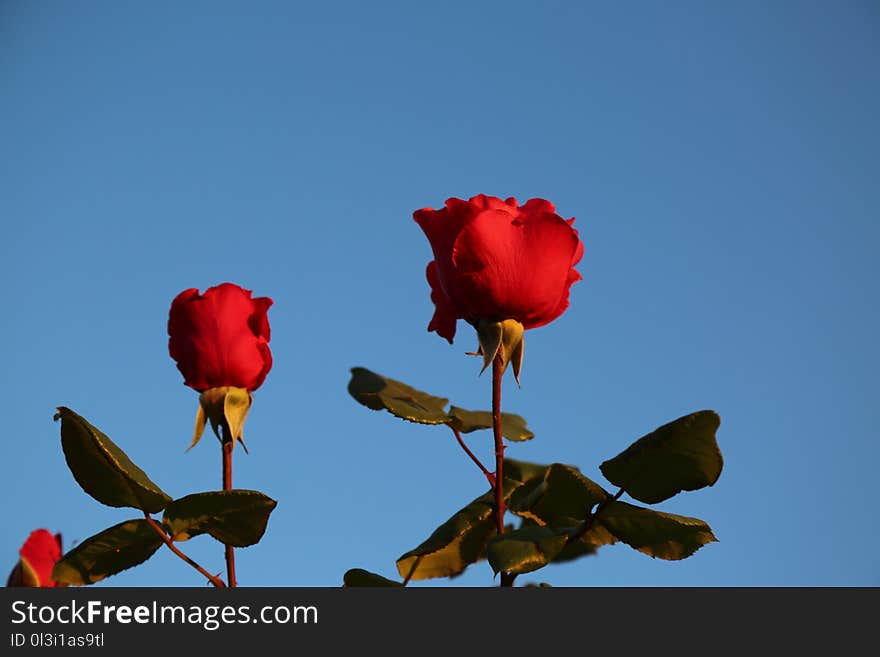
(505,337)
(224,406)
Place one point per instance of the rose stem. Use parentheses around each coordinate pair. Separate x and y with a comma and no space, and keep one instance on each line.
(228,445)
(497,372)
(216,581)
(473,457)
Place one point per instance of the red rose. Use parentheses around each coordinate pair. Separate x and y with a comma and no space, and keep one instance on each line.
(37,559)
(220,338)
(494,260)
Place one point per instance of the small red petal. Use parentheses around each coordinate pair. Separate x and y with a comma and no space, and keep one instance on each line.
(445,315)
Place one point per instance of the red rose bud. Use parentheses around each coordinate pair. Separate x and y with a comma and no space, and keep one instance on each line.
(220,338)
(494,261)
(220,341)
(37,558)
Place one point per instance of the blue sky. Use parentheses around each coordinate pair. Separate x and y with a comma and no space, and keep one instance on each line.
(721,160)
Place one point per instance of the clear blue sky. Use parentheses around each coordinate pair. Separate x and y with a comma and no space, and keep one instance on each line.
(721,160)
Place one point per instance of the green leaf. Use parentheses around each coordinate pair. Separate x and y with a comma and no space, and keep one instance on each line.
(103,470)
(233,517)
(587,544)
(361,577)
(522,471)
(662,535)
(681,455)
(561,500)
(581,548)
(527,549)
(23,575)
(454,545)
(513,427)
(377,392)
(113,550)
(458,542)
(563,497)
(462,539)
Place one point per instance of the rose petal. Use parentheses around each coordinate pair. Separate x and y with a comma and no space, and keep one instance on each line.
(445,318)
(505,269)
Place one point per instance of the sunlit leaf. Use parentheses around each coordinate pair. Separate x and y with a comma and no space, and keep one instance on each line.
(527,549)
(361,577)
(454,545)
(662,535)
(103,470)
(576,549)
(113,550)
(586,543)
(458,542)
(563,497)
(681,455)
(523,471)
(513,427)
(233,517)
(377,392)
